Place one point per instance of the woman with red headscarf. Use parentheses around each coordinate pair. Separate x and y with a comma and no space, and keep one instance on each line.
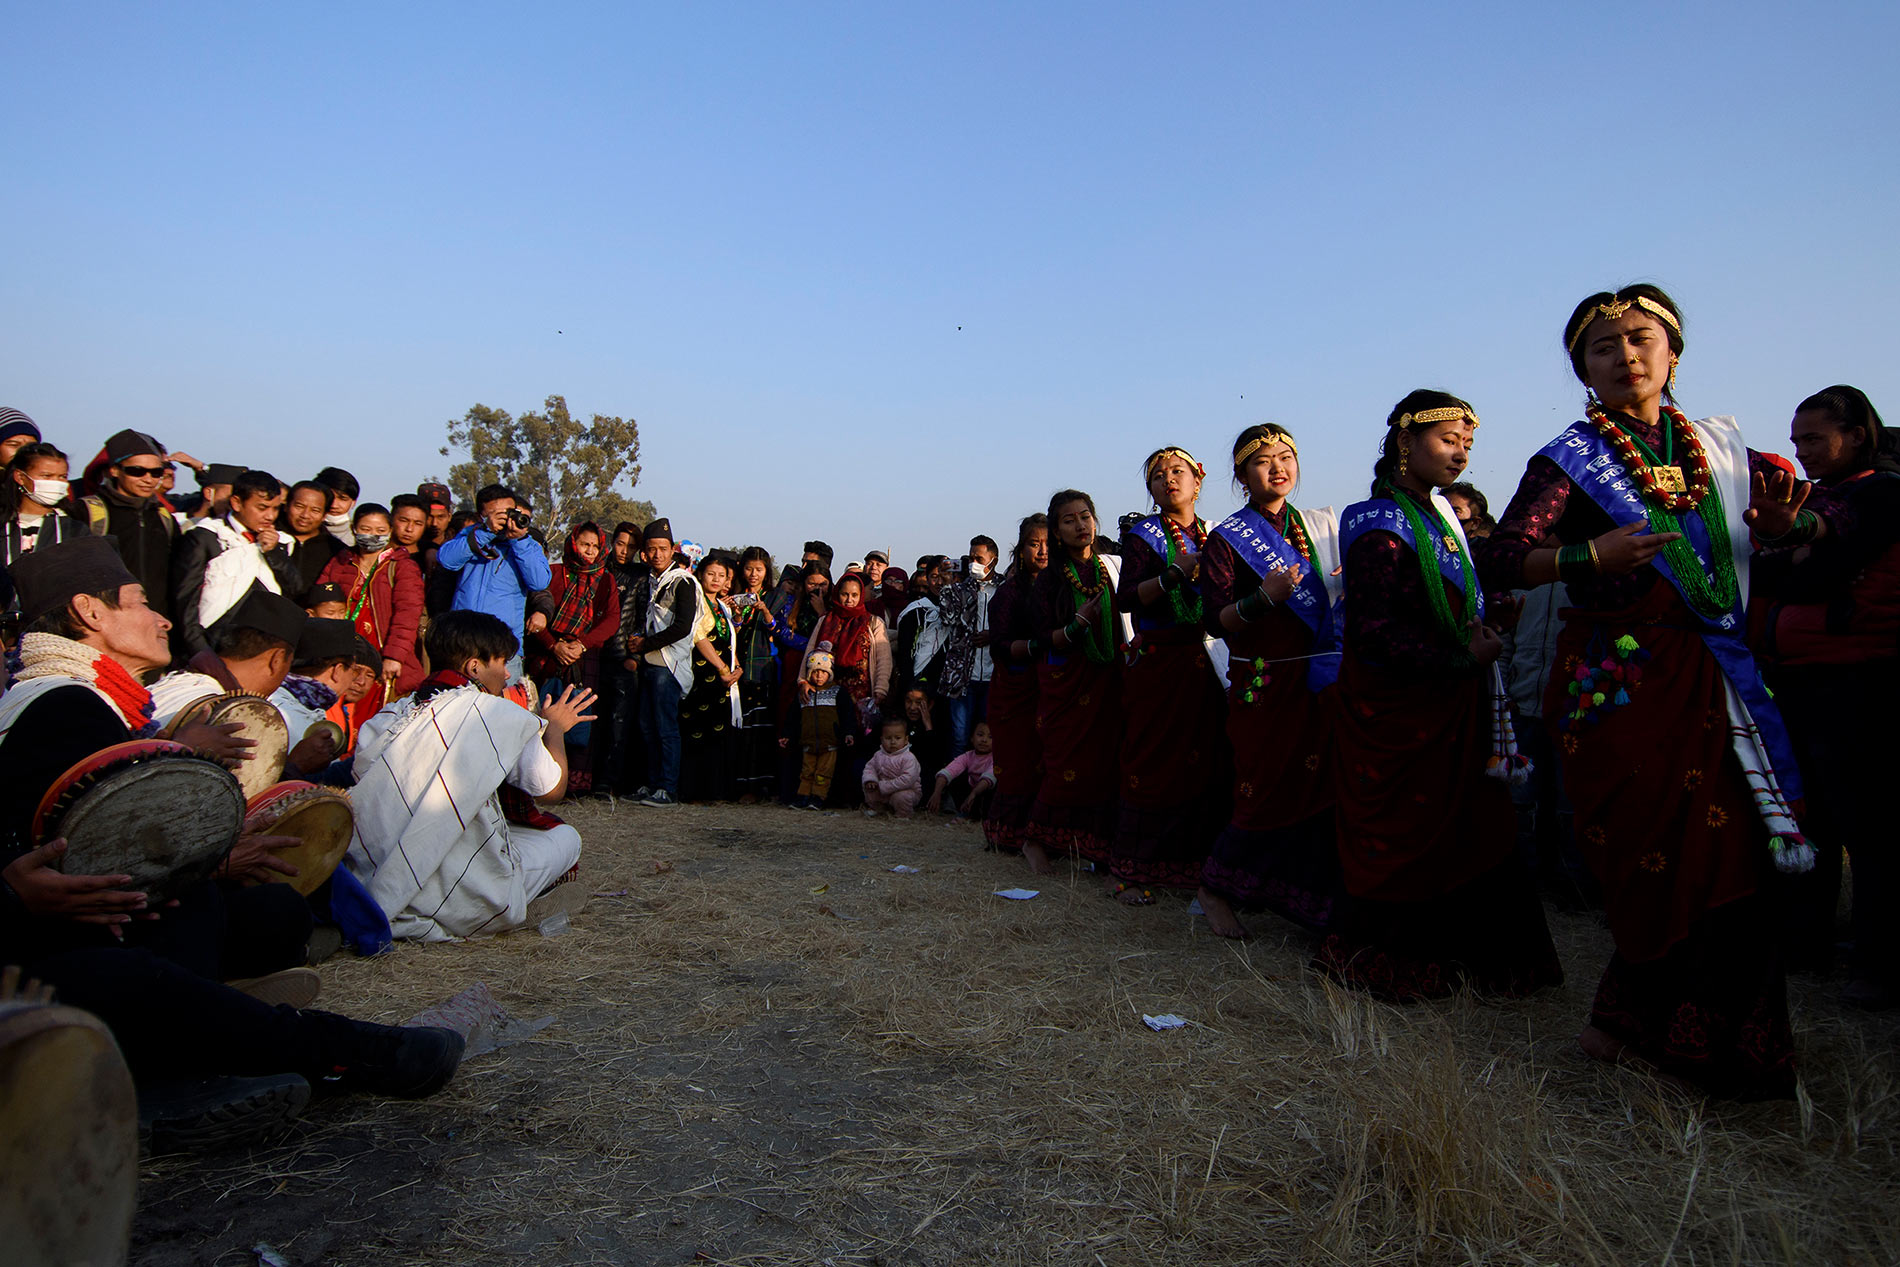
(860,655)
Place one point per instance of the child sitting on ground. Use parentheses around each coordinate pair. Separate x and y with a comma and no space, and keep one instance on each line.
(822,730)
(969,779)
(892,778)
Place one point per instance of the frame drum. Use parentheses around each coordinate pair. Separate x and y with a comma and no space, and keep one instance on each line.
(319,816)
(69,1137)
(258,720)
(149,809)
(324,726)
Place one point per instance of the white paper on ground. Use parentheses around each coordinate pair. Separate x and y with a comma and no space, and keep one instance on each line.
(478,1017)
(1194,907)
(1018,895)
(900,869)
(1167,1020)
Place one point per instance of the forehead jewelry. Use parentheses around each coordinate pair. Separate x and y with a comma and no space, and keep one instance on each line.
(1258,443)
(1172,452)
(1431,417)
(1616,308)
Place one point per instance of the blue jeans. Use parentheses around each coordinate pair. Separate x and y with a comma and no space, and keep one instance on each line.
(660,726)
(966,710)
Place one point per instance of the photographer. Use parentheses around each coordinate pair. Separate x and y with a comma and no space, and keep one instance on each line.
(497,563)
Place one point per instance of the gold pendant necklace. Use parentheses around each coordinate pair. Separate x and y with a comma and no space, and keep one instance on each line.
(1669,479)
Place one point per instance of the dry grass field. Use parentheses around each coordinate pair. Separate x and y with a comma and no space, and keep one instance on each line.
(770,1049)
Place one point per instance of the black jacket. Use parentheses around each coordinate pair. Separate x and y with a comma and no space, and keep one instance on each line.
(144,533)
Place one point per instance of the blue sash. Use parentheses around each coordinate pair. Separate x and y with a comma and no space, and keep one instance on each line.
(1151,531)
(1264,550)
(1583,455)
(1381,514)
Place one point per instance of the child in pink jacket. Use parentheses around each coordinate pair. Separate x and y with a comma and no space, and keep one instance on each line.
(893,779)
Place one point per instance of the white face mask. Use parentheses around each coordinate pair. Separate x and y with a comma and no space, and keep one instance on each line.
(50,492)
(977,570)
(338,520)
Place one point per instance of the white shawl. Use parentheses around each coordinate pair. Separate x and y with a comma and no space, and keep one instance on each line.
(930,633)
(431,843)
(231,572)
(675,656)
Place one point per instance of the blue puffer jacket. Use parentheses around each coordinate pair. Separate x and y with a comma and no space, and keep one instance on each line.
(496,574)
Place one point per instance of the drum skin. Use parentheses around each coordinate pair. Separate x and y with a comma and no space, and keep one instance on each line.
(258,720)
(319,816)
(327,727)
(148,809)
(69,1138)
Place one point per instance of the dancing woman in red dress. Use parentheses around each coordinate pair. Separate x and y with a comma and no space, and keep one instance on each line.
(1434,894)
(1174,759)
(1265,579)
(1674,758)
(1012,702)
(1079,638)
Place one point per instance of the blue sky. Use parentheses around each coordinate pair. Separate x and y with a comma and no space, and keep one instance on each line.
(891,274)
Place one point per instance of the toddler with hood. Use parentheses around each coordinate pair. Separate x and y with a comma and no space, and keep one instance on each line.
(824,726)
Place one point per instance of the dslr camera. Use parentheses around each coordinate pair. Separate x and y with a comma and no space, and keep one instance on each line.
(520,518)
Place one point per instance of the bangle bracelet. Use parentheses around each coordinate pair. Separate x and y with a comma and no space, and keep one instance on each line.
(1172,577)
(1596,561)
(1574,563)
(1800,532)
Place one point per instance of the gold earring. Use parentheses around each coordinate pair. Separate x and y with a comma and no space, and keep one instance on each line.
(1674,360)
(1402,452)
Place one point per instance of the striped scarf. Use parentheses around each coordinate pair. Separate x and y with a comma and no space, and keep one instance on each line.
(49,655)
(574,609)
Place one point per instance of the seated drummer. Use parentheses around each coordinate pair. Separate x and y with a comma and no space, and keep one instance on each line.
(449,840)
(348,712)
(252,648)
(154,975)
(329,673)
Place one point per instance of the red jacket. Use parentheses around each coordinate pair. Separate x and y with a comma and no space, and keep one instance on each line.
(392,613)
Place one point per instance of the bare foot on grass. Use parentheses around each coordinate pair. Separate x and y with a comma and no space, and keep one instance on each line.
(1038,859)
(1221,920)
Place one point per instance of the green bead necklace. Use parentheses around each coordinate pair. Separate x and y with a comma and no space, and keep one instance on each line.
(1455,628)
(1098,637)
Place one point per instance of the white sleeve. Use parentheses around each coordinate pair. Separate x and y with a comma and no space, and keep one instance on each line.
(172,692)
(297,716)
(536,772)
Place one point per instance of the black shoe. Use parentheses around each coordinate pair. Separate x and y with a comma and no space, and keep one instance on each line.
(408,1062)
(176,1117)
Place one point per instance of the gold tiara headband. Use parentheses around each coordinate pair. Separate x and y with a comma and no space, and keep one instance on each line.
(1616,308)
(1155,461)
(1430,417)
(1258,443)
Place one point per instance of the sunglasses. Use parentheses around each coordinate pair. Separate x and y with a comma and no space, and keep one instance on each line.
(142,472)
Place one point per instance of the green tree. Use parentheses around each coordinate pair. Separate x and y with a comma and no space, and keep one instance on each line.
(569,472)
